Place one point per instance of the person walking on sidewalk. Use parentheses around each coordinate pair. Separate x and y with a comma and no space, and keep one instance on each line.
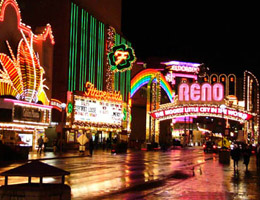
(235,155)
(91,146)
(246,155)
(45,141)
(40,144)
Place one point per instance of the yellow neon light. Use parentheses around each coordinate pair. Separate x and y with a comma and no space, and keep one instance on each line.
(99,94)
(120,56)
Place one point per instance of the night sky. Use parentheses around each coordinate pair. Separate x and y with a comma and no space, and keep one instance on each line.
(226,38)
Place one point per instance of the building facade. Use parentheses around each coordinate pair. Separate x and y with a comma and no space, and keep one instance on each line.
(25,77)
(86,32)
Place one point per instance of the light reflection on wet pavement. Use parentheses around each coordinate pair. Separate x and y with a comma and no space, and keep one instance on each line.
(176,174)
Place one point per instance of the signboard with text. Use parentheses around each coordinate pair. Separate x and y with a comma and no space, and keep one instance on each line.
(201,93)
(203,110)
(97,111)
(27,114)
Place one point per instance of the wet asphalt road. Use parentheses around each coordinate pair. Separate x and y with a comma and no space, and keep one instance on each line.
(176,174)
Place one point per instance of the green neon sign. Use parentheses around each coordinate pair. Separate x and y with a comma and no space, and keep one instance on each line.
(121,58)
(70,107)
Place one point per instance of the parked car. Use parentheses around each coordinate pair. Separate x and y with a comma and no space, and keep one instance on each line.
(210,146)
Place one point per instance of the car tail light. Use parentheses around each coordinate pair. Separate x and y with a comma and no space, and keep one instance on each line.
(214,146)
(204,146)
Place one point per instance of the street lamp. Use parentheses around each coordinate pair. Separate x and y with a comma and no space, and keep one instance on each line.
(63,106)
(222,107)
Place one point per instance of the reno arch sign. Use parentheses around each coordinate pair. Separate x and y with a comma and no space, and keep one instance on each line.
(205,93)
(203,110)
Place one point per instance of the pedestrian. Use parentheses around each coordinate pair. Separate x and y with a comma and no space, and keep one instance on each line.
(40,143)
(108,143)
(45,141)
(90,146)
(104,144)
(235,155)
(246,156)
(54,144)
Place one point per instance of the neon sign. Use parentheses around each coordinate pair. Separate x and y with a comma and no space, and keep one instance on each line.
(179,66)
(121,58)
(21,74)
(99,94)
(205,110)
(201,93)
(170,77)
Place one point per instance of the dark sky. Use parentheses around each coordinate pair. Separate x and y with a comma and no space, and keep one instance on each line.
(226,38)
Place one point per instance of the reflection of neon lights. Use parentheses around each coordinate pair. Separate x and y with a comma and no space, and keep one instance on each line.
(204,92)
(208,110)
(144,77)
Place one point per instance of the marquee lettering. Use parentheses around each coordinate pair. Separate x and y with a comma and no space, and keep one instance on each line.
(203,111)
(99,94)
(204,93)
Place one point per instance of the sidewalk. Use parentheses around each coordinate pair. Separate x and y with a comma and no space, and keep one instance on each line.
(33,155)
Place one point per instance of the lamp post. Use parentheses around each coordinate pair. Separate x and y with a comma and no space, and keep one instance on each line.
(63,106)
(222,107)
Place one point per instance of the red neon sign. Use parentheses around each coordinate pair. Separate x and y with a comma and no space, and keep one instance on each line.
(203,93)
(99,94)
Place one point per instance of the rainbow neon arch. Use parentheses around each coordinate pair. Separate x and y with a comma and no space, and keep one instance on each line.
(144,77)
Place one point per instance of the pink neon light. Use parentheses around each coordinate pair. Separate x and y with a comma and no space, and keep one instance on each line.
(183,92)
(204,92)
(195,77)
(27,103)
(195,92)
(218,92)
(179,66)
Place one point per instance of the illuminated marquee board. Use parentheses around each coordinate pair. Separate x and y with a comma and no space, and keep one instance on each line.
(98,107)
(208,110)
(30,113)
(97,111)
(201,93)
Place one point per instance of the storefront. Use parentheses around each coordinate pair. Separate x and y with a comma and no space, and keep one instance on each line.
(98,114)
(23,123)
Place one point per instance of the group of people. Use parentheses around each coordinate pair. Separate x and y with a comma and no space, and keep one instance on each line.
(237,153)
(42,143)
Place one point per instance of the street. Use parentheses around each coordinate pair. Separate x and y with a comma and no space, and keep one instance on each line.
(177,174)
